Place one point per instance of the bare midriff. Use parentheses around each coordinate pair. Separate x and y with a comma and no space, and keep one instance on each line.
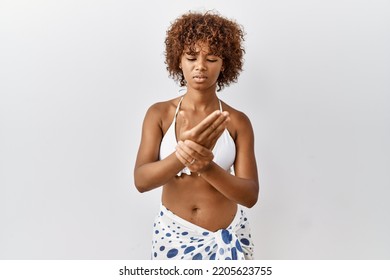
(193,199)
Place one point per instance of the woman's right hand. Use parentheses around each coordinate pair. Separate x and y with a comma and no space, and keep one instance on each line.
(194,156)
(207,132)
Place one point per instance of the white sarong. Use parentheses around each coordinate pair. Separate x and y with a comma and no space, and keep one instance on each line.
(177,239)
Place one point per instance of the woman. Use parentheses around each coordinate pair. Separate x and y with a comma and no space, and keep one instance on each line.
(200,149)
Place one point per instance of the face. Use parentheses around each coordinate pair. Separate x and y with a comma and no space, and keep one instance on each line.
(200,68)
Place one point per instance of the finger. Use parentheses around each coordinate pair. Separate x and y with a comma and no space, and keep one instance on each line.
(213,136)
(191,153)
(206,122)
(217,126)
(180,158)
(199,149)
(183,156)
(203,156)
(184,160)
(184,127)
(185,123)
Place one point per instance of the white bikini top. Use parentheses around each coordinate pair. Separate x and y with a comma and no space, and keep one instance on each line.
(224,150)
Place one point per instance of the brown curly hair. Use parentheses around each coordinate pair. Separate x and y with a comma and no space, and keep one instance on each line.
(225,39)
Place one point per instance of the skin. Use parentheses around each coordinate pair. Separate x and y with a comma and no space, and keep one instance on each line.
(209,196)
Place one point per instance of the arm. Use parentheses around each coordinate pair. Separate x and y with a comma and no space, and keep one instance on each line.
(243,188)
(149,172)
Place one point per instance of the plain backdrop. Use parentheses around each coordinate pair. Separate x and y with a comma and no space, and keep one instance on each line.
(77,76)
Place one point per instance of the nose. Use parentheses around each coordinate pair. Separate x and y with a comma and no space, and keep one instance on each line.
(200,64)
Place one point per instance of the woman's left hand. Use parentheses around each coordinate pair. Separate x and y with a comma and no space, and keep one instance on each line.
(196,157)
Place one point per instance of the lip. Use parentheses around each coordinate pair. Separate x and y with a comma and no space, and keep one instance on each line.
(199,78)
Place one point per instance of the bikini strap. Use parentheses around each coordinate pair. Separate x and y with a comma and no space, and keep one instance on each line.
(220,105)
(178,107)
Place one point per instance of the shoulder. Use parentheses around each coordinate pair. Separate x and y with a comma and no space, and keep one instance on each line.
(239,121)
(164,107)
(163,111)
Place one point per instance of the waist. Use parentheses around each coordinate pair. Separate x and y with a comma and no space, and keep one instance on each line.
(235,221)
(208,209)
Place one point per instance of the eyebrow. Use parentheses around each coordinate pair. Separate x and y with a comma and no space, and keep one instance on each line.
(196,53)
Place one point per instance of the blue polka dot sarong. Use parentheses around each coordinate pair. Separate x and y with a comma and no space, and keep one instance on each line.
(177,239)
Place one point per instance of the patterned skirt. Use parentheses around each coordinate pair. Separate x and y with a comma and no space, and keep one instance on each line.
(177,239)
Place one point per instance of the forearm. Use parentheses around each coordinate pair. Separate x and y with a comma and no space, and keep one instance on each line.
(240,190)
(152,175)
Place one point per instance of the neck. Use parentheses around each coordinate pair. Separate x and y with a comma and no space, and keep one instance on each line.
(200,100)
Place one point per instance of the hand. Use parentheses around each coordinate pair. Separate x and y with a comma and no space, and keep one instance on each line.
(207,132)
(196,157)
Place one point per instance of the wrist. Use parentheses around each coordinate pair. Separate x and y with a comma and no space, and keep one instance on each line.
(205,170)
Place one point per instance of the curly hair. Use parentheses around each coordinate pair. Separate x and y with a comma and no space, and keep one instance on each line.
(224,37)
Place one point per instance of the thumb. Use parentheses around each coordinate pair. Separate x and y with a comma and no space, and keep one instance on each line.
(184,126)
(185,123)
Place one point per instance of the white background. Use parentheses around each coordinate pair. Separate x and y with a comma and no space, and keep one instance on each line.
(76,78)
